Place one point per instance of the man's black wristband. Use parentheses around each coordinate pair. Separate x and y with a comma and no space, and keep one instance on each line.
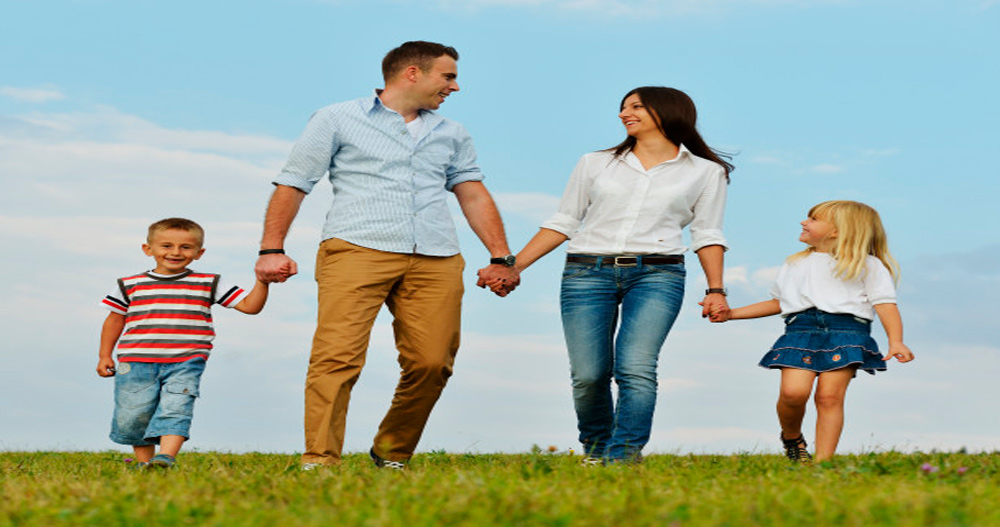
(262,252)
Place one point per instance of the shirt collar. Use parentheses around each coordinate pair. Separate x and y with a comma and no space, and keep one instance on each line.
(431,118)
(682,154)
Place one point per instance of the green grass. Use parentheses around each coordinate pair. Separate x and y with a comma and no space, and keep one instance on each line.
(208,488)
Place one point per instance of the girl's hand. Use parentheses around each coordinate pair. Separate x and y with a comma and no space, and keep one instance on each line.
(899,352)
(716,312)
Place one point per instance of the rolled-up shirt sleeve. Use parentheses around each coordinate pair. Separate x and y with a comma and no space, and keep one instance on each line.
(709,209)
(463,165)
(574,203)
(312,154)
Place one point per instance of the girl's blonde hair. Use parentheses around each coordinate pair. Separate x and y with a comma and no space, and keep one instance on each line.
(859,233)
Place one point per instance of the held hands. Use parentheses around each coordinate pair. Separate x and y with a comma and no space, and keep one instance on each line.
(715,308)
(273,268)
(499,278)
(900,352)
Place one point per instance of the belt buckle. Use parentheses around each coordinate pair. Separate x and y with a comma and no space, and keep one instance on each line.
(633,263)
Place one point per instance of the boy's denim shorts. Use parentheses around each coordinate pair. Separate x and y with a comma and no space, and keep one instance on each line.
(153,399)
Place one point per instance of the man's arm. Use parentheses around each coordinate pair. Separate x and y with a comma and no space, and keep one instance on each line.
(484,219)
(281,210)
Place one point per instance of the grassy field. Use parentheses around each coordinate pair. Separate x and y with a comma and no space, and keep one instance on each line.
(208,488)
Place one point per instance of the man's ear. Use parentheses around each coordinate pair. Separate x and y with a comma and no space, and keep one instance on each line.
(411,73)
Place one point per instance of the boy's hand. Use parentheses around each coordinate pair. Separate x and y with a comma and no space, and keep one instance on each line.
(106,367)
(899,352)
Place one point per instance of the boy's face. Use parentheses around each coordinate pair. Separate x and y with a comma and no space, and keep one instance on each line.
(173,250)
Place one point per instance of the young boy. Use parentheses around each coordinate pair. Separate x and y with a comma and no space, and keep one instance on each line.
(162,322)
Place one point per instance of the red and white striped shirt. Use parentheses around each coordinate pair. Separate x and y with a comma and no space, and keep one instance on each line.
(169,318)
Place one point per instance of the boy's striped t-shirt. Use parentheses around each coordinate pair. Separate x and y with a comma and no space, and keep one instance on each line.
(169,318)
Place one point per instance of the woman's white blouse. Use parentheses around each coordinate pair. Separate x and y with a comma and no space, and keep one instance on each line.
(810,282)
(612,205)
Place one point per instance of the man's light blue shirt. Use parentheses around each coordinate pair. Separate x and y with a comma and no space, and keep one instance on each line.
(388,186)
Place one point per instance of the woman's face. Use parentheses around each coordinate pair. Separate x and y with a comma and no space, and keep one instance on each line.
(637,120)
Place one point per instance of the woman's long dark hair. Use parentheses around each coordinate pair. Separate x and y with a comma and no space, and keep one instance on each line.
(676,117)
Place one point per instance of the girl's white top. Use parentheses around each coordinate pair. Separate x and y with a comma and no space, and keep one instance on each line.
(810,282)
(613,205)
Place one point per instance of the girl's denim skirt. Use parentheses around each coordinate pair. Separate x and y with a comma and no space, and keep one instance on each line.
(819,341)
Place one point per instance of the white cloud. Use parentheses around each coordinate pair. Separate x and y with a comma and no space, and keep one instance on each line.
(104,160)
(827,168)
(32,94)
(766,275)
(107,124)
(534,206)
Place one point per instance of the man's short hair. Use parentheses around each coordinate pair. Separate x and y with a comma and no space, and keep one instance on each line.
(181,224)
(417,52)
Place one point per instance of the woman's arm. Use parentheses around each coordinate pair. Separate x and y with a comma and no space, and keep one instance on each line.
(541,244)
(544,242)
(714,304)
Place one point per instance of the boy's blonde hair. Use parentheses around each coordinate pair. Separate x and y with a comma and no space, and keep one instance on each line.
(181,224)
(859,234)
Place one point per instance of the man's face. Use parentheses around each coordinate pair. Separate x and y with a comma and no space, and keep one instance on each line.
(432,87)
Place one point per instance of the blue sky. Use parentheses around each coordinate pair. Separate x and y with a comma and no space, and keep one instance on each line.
(114,114)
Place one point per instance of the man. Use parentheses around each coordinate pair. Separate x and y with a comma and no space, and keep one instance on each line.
(388,239)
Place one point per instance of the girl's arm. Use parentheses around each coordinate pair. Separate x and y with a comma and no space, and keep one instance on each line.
(254,302)
(110,332)
(760,309)
(893,324)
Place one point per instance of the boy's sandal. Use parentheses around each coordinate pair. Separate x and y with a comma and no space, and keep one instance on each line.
(796,449)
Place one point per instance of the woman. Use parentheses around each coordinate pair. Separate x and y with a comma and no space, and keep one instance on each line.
(622,212)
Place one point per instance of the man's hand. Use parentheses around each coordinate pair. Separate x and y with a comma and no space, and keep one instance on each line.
(272,268)
(499,278)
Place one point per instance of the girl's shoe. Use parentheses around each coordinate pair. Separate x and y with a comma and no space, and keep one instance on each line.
(163,461)
(795,449)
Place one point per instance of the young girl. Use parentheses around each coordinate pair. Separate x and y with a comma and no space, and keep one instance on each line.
(829,294)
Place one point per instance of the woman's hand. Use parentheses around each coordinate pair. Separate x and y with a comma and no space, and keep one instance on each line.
(715,307)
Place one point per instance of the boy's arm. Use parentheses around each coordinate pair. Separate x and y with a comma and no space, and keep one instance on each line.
(760,309)
(254,302)
(893,324)
(112,329)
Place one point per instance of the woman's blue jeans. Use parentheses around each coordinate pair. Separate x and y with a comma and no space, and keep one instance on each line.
(648,298)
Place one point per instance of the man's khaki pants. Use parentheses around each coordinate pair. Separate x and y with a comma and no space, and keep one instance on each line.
(424,295)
